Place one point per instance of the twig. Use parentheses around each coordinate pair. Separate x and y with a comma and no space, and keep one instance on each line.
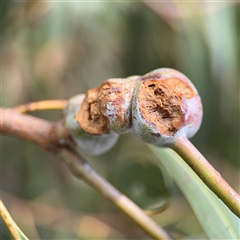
(207,173)
(81,169)
(13,228)
(47,135)
(29,128)
(42,105)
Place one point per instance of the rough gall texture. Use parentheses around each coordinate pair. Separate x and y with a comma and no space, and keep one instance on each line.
(164,73)
(161,101)
(159,107)
(118,104)
(108,107)
(166,105)
(91,114)
(83,142)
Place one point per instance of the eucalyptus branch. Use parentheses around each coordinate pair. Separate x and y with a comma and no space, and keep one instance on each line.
(162,107)
(49,135)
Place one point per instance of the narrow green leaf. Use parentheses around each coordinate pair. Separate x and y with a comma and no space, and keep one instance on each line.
(216,219)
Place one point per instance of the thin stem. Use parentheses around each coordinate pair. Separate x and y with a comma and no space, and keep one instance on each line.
(208,174)
(83,170)
(42,105)
(29,128)
(13,228)
(49,135)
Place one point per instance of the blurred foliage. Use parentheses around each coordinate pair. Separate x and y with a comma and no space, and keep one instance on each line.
(55,50)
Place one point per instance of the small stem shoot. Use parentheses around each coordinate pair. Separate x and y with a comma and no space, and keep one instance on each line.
(42,105)
(207,173)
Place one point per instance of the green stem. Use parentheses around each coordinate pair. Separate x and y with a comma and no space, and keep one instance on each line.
(50,136)
(12,226)
(207,173)
(83,170)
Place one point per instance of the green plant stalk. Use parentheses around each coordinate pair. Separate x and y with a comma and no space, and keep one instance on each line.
(207,173)
(50,137)
(12,226)
(81,169)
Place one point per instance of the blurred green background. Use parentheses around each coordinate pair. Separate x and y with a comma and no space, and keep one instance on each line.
(55,50)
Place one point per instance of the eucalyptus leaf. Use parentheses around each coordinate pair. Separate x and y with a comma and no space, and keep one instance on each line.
(216,219)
